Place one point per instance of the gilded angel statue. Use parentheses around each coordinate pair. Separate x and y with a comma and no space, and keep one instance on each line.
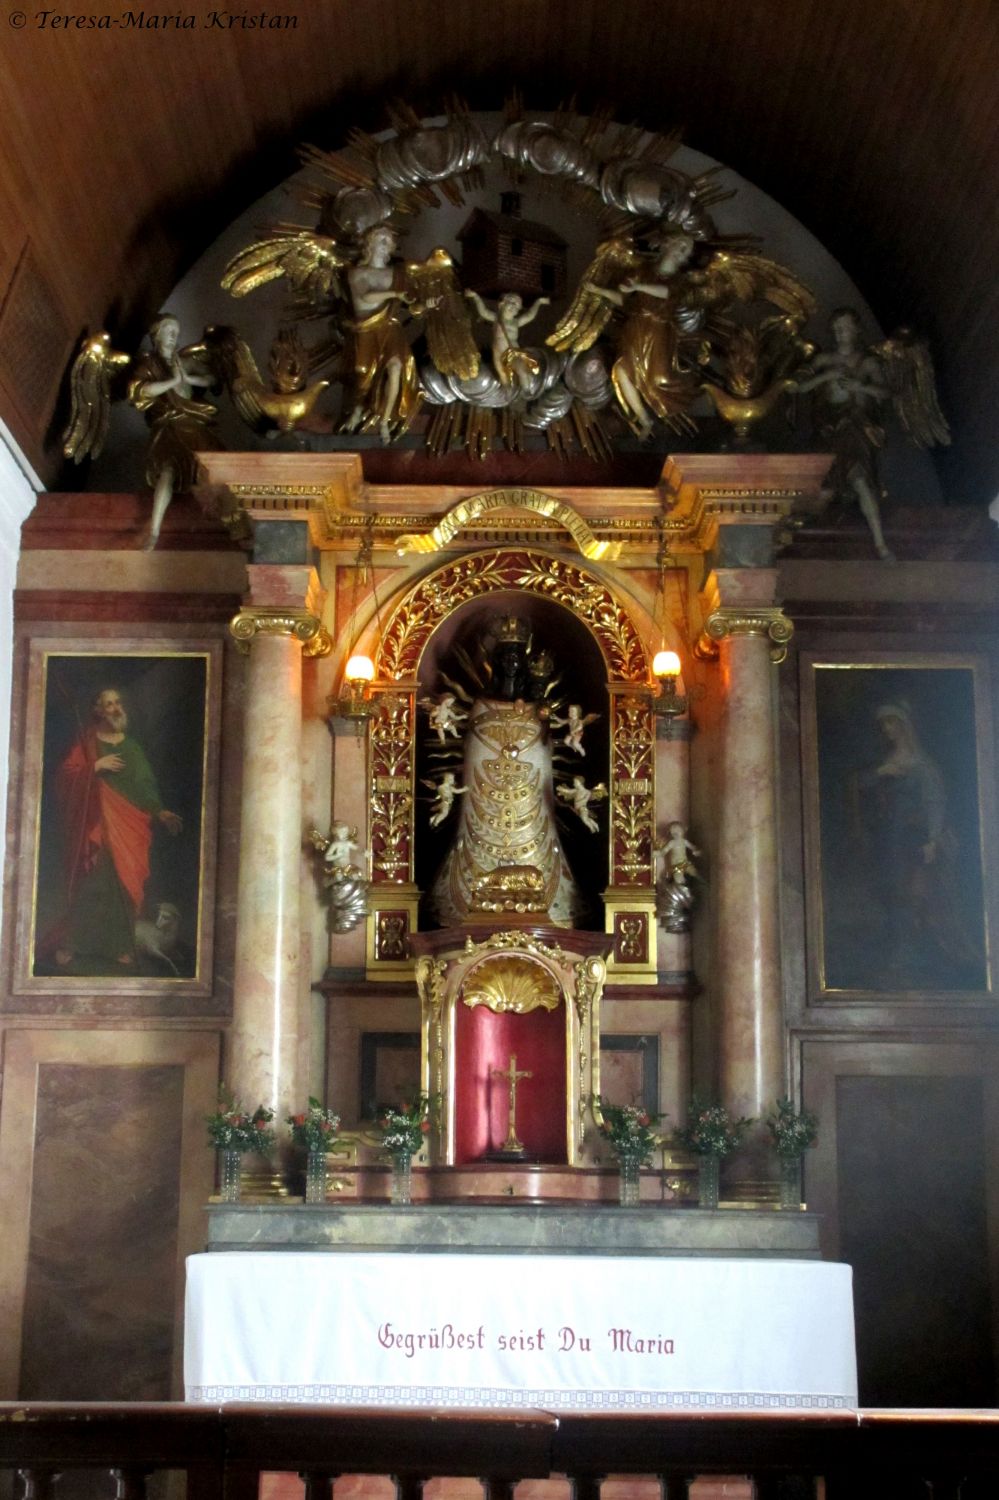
(371,296)
(444,792)
(853,383)
(665,299)
(445,715)
(161,384)
(574,724)
(579,796)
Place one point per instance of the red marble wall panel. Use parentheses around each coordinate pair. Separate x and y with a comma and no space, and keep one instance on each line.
(98,1307)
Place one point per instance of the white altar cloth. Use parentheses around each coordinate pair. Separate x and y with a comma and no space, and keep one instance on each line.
(552,1332)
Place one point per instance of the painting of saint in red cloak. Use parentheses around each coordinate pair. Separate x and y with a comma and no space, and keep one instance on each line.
(121,816)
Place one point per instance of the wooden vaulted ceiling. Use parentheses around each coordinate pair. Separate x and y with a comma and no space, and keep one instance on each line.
(123,152)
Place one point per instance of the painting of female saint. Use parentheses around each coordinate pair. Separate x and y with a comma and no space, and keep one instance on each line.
(902,882)
(121,820)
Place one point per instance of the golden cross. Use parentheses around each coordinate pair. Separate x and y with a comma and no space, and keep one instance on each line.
(512,1077)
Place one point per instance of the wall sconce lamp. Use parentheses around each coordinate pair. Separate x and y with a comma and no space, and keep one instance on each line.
(666,669)
(355,702)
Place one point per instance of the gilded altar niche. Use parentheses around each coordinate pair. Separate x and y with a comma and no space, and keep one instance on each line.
(513,1008)
(512,759)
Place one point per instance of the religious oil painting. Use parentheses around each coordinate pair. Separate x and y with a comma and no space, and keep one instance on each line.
(119,814)
(900,771)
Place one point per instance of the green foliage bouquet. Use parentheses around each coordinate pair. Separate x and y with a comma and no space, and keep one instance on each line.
(233,1128)
(403,1126)
(710,1129)
(791,1134)
(629,1130)
(315,1128)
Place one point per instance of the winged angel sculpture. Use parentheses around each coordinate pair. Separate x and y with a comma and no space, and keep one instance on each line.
(668,314)
(853,384)
(161,383)
(380,297)
(670,302)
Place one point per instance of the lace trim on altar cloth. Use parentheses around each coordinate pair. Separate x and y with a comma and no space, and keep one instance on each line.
(546,1400)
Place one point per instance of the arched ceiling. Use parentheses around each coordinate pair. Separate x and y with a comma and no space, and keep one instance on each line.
(124,151)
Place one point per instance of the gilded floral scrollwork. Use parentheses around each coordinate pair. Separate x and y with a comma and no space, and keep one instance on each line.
(391,788)
(633,792)
(437,596)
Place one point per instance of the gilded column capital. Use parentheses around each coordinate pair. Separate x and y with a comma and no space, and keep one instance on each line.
(727,621)
(300,624)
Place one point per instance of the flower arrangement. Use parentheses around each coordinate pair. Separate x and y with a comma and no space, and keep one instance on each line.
(233,1128)
(314,1128)
(710,1129)
(629,1130)
(791,1134)
(403,1126)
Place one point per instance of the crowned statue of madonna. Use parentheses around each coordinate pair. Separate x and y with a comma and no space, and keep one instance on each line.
(506,851)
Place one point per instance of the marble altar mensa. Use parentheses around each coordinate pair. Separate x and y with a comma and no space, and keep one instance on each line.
(546,1229)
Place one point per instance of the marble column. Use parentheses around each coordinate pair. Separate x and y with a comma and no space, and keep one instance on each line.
(750,639)
(263,1052)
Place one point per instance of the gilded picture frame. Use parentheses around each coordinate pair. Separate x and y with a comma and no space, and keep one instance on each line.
(898,771)
(115,870)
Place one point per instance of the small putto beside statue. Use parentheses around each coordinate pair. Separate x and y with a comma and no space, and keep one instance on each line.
(344,885)
(675,897)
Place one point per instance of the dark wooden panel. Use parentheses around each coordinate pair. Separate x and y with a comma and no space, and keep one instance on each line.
(629,1069)
(912,1224)
(905,1179)
(390,1068)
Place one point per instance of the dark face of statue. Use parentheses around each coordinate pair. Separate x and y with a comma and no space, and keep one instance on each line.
(510,678)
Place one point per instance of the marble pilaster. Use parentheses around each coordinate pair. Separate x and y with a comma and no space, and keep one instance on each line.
(750,635)
(278,624)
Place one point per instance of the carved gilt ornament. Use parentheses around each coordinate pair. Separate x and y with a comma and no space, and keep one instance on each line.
(512,984)
(301,625)
(435,597)
(535,502)
(725,622)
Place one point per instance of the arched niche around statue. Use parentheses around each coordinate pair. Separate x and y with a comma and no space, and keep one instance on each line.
(453,658)
(513,999)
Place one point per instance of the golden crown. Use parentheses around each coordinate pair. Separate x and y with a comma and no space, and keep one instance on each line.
(512,629)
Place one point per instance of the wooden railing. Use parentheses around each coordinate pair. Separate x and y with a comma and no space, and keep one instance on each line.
(935,1455)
